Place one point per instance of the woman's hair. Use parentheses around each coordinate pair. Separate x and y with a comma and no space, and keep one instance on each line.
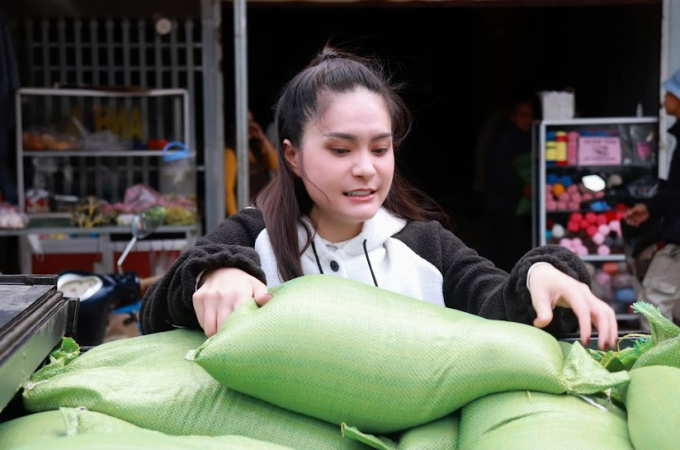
(285,201)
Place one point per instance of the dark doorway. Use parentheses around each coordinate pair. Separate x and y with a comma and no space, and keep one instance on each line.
(460,65)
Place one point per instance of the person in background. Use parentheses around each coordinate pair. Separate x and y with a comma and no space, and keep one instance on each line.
(262,159)
(508,232)
(661,283)
(338,207)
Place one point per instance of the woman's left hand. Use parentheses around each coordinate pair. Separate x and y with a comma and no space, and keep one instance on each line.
(550,287)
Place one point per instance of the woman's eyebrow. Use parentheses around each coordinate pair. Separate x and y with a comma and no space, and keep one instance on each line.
(353,138)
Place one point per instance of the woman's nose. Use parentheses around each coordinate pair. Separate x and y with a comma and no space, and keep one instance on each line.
(363,165)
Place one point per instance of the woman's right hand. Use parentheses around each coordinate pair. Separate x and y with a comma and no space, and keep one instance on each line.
(636,215)
(221,291)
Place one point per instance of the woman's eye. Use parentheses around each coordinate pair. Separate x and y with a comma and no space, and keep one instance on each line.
(380,151)
(340,151)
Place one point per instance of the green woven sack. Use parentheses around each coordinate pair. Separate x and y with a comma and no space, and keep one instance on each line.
(652,399)
(537,421)
(48,430)
(151,440)
(25,430)
(440,434)
(146,381)
(347,352)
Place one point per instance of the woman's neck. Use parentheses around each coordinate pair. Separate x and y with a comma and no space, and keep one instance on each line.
(334,231)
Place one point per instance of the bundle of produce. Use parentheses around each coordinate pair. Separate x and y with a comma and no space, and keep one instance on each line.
(347,352)
(660,347)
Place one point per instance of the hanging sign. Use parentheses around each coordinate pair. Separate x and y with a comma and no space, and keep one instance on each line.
(599,150)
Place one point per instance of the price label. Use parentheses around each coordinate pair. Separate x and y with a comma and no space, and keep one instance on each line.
(599,150)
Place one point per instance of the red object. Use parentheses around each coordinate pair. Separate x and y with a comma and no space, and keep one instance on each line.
(591,217)
(156,144)
(611,215)
(602,219)
(573,226)
(591,230)
(584,224)
(576,216)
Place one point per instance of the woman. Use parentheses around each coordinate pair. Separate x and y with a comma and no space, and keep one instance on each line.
(337,206)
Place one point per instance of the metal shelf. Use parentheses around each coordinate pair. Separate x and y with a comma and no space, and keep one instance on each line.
(601,121)
(95,153)
(93,231)
(65,92)
(628,316)
(600,258)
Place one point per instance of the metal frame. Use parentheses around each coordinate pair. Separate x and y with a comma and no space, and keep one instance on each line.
(542,166)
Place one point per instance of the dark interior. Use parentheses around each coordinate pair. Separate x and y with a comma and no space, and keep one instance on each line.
(459,66)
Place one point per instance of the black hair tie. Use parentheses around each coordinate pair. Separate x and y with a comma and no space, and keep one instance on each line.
(330,55)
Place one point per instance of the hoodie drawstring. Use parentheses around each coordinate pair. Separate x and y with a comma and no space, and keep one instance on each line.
(368,260)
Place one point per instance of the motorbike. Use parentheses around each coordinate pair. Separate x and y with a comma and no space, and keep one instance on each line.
(102,294)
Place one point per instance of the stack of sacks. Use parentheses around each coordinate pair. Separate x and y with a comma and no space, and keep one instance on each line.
(147,382)
(328,363)
(347,352)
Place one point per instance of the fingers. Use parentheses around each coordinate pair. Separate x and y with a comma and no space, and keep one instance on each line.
(544,313)
(261,293)
(604,318)
(222,291)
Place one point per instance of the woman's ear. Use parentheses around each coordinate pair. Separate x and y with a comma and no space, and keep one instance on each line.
(292,155)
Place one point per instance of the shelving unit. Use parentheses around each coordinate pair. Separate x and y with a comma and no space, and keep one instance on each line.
(622,146)
(75,143)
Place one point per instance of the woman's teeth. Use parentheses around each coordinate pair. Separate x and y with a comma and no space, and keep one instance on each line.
(358,193)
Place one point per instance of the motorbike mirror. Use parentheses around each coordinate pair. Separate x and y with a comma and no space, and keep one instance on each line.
(146,222)
(143,224)
(594,183)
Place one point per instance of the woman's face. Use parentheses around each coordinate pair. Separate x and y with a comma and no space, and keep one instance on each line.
(346,161)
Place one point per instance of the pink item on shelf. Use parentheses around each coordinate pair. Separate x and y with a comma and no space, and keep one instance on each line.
(591,230)
(577,241)
(581,250)
(601,219)
(598,238)
(575,197)
(586,196)
(564,242)
(573,206)
(602,278)
(615,225)
(564,197)
(603,250)
(603,230)
(572,189)
(561,206)
(599,194)
(591,217)
(551,205)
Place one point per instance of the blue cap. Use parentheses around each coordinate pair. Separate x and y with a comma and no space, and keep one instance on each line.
(672,84)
